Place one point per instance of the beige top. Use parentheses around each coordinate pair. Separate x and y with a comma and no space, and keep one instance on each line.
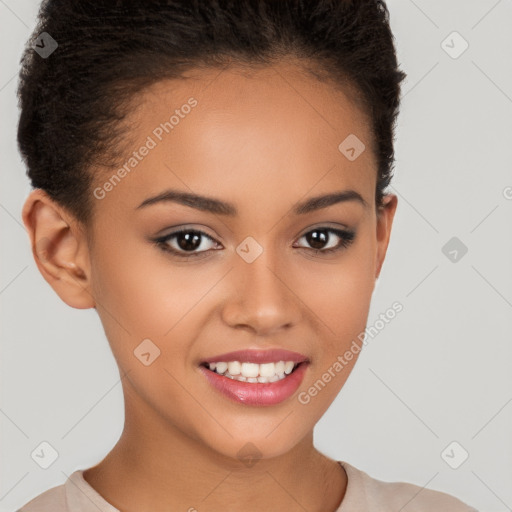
(363,494)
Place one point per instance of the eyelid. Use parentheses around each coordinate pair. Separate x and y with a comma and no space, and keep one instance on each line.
(185,227)
(325,225)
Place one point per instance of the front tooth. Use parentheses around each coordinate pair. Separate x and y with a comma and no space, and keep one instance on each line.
(267,369)
(221,367)
(250,369)
(234,367)
(288,367)
(279,367)
(252,380)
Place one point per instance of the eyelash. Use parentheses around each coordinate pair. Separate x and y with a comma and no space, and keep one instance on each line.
(346,238)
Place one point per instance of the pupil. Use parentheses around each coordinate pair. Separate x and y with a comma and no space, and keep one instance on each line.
(317,238)
(189,241)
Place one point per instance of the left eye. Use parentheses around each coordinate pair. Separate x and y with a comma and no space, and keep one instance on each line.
(187,243)
(320,236)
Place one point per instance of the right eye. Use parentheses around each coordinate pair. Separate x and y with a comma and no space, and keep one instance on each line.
(185,242)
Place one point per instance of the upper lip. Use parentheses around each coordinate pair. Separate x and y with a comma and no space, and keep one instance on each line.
(258,356)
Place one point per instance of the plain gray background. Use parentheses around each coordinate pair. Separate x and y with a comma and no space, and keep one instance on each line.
(439,372)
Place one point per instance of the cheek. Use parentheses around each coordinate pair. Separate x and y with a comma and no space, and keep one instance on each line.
(341,301)
(141,294)
(143,289)
(340,293)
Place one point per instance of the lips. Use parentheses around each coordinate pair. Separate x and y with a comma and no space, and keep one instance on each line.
(260,388)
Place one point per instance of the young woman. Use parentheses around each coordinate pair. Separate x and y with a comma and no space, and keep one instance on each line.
(211,177)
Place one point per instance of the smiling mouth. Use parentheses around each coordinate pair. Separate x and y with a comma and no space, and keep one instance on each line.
(253,372)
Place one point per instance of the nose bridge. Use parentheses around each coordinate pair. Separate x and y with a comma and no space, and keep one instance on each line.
(261,299)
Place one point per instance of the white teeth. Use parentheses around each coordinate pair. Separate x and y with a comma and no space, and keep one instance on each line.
(288,367)
(249,369)
(221,367)
(267,369)
(280,367)
(234,368)
(253,372)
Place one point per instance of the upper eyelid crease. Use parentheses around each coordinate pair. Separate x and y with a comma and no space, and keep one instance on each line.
(216,206)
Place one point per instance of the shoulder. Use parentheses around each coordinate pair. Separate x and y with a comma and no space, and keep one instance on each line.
(53,499)
(75,495)
(377,495)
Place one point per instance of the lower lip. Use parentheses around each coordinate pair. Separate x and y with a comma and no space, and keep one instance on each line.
(258,393)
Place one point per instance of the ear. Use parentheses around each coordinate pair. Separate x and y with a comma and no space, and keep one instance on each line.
(60,249)
(385,216)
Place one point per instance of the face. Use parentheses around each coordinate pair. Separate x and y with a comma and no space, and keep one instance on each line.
(255,267)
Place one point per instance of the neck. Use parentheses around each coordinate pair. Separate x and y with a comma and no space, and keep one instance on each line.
(170,470)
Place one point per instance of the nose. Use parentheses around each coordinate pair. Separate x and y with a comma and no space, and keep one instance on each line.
(261,297)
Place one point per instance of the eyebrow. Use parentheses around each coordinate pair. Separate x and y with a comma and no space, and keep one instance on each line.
(216,206)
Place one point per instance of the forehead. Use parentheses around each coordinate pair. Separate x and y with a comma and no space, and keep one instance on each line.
(251,132)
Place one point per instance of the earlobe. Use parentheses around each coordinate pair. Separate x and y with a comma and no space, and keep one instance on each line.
(385,216)
(59,248)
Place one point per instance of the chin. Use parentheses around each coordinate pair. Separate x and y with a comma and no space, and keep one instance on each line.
(247,449)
